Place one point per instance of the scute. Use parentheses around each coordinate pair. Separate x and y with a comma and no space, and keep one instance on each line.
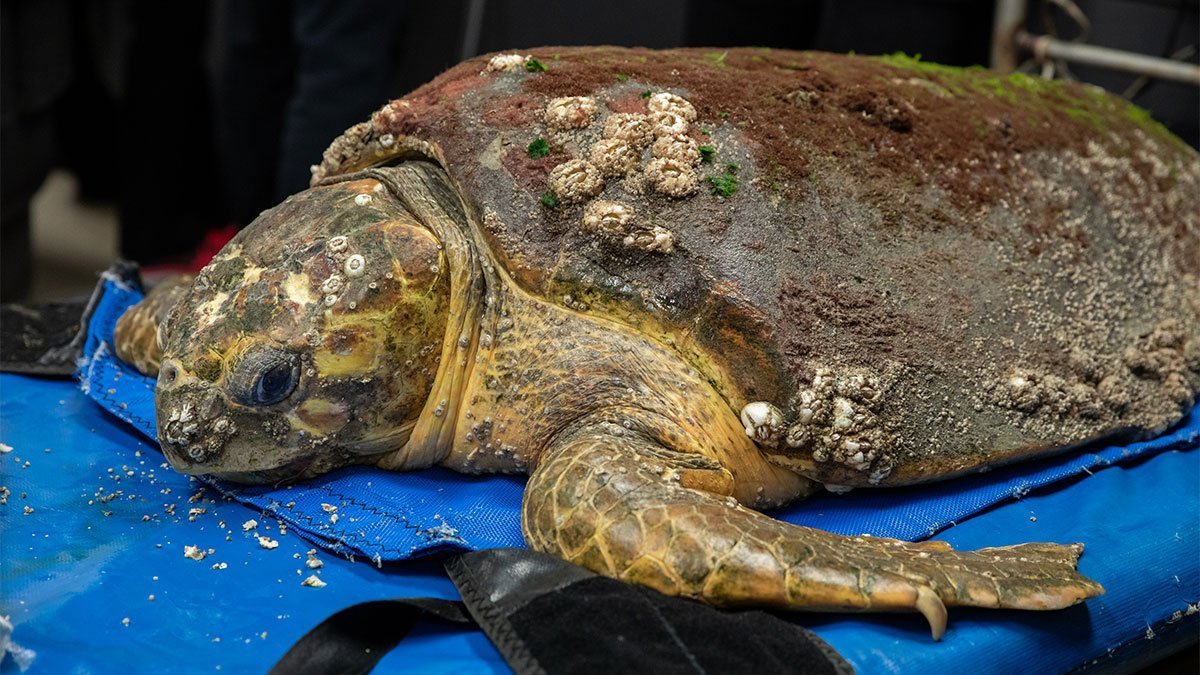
(927,270)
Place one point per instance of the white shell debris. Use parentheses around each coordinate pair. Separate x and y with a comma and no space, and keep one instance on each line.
(249,525)
(763,422)
(328,508)
(267,543)
(194,552)
(313,581)
(313,562)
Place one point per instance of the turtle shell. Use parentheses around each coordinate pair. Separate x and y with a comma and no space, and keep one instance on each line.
(927,270)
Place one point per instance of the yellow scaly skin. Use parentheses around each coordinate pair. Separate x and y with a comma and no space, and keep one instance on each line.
(640,469)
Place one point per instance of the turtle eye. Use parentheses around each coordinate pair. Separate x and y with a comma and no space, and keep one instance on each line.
(276,383)
(265,377)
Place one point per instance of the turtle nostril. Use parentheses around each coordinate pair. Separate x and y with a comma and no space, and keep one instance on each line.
(168,373)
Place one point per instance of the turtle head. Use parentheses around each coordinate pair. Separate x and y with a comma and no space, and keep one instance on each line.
(310,342)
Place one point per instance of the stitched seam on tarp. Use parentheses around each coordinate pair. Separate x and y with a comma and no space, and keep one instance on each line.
(491,619)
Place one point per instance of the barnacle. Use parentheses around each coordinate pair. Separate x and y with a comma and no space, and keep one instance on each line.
(570,112)
(606,217)
(671,103)
(614,157)
(763,422)
(633,128)
(671,176)
(575,180)
(679,147)
(654,238)
(668,123)
(505,62)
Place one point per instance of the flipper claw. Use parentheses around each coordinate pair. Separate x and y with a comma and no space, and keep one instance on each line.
(934,611)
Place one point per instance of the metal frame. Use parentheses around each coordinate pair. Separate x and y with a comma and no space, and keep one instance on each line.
(1010,39)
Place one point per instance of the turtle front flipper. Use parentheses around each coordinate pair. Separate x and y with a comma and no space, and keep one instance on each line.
(617,504)
(136,338)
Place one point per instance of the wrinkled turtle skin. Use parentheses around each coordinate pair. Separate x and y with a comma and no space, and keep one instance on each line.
(675,286)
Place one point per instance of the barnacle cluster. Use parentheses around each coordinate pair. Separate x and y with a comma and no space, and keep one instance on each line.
(669,166)
(1092,389)
(616,220)
(837,421)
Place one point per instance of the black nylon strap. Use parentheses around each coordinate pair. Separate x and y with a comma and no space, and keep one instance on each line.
(547,615)
(353,640)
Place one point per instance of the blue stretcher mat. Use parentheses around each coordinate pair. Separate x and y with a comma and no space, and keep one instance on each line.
(107,523)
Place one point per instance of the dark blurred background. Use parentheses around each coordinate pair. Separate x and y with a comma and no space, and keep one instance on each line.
(153,130)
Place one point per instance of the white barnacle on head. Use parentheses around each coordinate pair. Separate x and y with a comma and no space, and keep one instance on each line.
(387,140)
(570,112)
(332,285)
(763,422)
(223,425)
(668,102)
(575,180)
(633,128)
(355,265)
(330,300)
(337,244)
(362,200)
(672,177)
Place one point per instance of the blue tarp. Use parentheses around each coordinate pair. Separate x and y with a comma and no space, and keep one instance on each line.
(82,560)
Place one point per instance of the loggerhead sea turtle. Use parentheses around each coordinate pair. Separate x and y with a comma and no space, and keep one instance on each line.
(676,287)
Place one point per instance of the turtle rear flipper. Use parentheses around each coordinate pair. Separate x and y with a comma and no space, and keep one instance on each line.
(137,338)
(610,502)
